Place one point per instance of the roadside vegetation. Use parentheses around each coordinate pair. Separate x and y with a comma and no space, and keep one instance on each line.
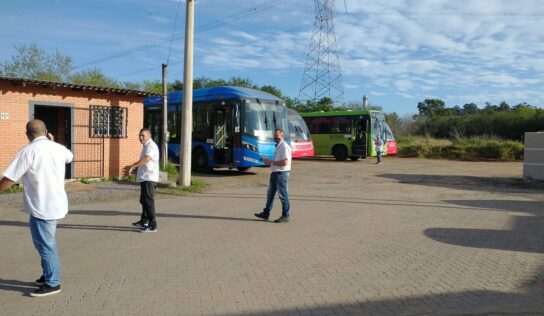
(494,132)
(471,148)
(173,172)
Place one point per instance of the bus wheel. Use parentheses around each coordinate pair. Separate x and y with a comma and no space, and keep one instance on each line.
(242,168)
(200,161)
(354,158)
(340,153)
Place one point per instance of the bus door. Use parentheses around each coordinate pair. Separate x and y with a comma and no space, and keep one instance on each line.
(359,133)
(223,136)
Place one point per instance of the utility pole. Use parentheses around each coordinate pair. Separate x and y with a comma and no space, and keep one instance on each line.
(187,106)
(165,134)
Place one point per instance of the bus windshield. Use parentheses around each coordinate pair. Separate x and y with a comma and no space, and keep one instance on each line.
(388,132)
(262,119)
(378,124)
(298,129)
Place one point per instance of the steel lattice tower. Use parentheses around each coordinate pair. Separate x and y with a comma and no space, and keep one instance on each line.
(322,75)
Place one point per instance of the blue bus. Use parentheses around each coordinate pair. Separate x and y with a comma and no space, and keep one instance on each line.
(233,127)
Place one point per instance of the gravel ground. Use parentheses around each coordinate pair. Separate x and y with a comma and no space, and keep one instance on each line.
(79,193)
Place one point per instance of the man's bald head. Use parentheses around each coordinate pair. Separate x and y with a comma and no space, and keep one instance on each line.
(35,128)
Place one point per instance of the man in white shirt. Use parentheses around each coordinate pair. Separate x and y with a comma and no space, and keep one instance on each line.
(147,176)
(42,165)
(280,165)
(378,146)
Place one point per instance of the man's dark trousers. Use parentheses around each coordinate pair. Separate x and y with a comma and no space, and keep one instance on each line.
(147,190)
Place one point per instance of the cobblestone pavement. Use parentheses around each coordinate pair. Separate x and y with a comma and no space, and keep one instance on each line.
(407,237)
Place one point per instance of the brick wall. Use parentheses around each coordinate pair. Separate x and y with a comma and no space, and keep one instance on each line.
(118,152)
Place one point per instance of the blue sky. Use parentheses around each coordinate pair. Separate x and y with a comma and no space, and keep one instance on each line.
(397,52)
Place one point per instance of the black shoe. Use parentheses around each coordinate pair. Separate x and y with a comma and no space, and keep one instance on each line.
(45,290)
(140,224)
(262,215)
(282,220)
(149,229)
(40,281)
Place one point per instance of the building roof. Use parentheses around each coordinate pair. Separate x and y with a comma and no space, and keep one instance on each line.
(82,87)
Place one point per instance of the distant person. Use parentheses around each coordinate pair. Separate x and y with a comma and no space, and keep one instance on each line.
(148,176)
(378,143)
(280,165)
(42,165)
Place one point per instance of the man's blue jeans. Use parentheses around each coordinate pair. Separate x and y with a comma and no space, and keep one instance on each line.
(278,182)
(43,236)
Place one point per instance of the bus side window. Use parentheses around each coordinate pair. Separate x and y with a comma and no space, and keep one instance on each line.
(323,125)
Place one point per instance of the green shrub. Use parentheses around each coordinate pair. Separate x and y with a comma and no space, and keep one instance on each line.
(171,169)
(13,189)
(471,148)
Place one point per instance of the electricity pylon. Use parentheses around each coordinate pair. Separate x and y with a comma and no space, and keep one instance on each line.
(322,76)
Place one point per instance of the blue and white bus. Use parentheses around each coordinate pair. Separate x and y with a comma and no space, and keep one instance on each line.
(233,127)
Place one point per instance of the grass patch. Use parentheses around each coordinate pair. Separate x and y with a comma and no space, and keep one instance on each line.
(16,188)
(196,186)
(171,169)
(471,148)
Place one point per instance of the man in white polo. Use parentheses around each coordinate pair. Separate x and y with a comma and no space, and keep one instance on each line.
(147,176)
(42,165)
(280,166)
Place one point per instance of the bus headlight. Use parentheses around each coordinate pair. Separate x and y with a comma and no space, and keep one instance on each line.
(250,146)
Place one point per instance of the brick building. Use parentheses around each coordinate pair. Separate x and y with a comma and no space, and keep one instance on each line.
(100,125)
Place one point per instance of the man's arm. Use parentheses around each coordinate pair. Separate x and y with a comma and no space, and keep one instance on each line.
(5,184)
(281,163)
(139,163)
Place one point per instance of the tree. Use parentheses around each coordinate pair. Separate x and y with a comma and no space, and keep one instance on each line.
(457,110)
(241,82)
(272,90)
(31,62)
(93,77)
(504,107)
(431,107)
(490,107)
(522,106)
(470,108)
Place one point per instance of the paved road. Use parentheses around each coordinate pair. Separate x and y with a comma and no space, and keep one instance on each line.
(408,237)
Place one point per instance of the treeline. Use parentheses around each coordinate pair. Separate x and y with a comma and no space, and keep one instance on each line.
(493,121)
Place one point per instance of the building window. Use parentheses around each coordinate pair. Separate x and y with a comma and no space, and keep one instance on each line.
(108,121)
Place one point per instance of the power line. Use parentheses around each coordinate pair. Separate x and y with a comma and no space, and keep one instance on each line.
(203,28)
(290,30)
(173,32)
(454,13)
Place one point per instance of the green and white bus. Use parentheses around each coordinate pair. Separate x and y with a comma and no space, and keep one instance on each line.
(349,134)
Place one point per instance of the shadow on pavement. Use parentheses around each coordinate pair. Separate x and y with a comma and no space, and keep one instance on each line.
(159,215)
(526,233)
(17,286)
(488,184)
(223,173)
(74,226)
(331,199)
(460,303)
